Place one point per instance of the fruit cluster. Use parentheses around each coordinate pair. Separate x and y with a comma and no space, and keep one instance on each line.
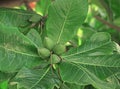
(51,51)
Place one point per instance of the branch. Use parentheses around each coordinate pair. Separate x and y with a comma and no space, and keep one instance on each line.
(107,23)
(27,5)
(107,8)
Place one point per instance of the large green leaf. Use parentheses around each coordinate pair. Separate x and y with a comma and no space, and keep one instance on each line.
(74,73)
(64,18)
(97,44)
(94,61)
(16,50)
(37,79)
(97,51)
(104,61)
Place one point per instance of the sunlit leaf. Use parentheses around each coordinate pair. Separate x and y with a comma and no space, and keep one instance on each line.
(42,6)
(4,85)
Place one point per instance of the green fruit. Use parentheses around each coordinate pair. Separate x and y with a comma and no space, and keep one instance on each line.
(48,43)
(54,59)
(59,49)
(35,18)
(43,52)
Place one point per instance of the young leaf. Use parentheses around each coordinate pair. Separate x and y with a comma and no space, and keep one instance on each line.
(64,18)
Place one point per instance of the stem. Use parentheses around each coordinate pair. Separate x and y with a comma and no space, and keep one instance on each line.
(27,5)
(107,23)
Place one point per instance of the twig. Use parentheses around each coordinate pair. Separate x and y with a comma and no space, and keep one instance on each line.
(107,23)
(27,5)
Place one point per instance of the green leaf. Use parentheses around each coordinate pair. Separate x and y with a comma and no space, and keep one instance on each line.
(114,4)
(114,79)
(16,50)
(87,32)
(13,87)
(37,79)
(97,55)
(35,37)
(107,7)
(71,86)
(42,6)
(4,85)
(92,62)
(97,44)
(64,19)
(98,51)
(16,18)
(118,75)
(105,61)
(5,76)
(77,74)
(72,74)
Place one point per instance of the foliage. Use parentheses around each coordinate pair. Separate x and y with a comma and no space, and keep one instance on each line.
(54,47)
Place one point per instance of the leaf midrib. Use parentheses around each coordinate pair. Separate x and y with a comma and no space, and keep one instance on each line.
(93,64)
(41,78)
(85,51)
(19,13)
(87,71)
(64,23)
(18,52)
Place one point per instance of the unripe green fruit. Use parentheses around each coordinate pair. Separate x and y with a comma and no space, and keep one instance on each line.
(59,49)
(43,52)
(54,59)
(48,43)
(35,18)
